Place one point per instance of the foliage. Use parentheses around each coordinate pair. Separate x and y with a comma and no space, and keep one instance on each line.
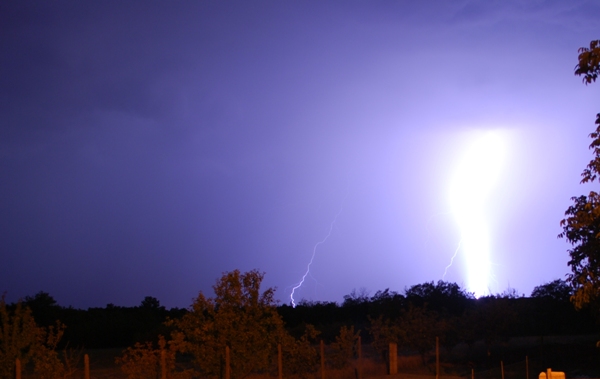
(581,225)
(385,295)
(143,360)
(509,293)
(19,334)
(439,289)
(44,308)
(419,328)
(344,347)
(589,62)
(492,319)
(151,303)
(416,330)
(356,297)
(241,317)
(298,355)
(383,331)
(443,297)
(21,338)
(557,290)
(386,302)
(581,228)
(46,360)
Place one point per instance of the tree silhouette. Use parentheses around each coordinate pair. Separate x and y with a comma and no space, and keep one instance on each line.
(557,290)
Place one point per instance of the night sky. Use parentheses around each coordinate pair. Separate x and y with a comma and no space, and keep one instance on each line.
(147,147)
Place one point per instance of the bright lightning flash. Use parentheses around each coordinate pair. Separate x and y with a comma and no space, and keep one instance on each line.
(476,176)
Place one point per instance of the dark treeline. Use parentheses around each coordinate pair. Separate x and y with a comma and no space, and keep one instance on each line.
(109,327)
(453,314)
(441,308)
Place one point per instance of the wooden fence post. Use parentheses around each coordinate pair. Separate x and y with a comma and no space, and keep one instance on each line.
(18,368)
(359,354)
(163,364)
(322,360)
(279,361)
(502,368)
(227,361)
(393,358)
(437,358)
(86,366)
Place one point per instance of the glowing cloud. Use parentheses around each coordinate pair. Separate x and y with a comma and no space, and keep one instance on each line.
(476,176)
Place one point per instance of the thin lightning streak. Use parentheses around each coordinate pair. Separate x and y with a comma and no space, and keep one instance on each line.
(312,259)
(452,259)
(493,277)
(457,247)
(315,251)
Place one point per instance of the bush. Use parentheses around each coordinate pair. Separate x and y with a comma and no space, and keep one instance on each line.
(21,338)
(143,361)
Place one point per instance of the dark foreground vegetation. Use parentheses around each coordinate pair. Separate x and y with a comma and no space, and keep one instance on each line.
(475,334)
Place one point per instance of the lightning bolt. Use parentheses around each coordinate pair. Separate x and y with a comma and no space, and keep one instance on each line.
(452,259)
(430,234)
(314,252)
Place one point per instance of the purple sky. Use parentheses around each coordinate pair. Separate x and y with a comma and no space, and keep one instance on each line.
(145,149)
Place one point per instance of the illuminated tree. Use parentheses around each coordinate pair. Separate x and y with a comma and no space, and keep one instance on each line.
(589,62)
(145,360)
(21,338)
(241,317)
(300,358)
(344,347)
(383,331)
(581,225)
